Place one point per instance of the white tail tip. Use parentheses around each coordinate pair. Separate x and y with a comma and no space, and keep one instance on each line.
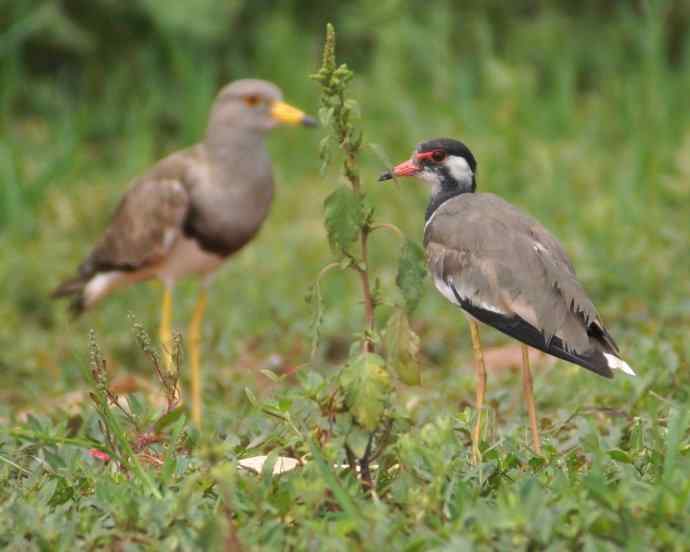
(616,363)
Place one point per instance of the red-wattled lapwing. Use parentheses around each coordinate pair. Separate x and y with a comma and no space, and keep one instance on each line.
(191,211)
(505,269)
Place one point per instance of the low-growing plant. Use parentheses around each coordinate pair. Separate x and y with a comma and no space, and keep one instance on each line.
(131,432)
(358,405)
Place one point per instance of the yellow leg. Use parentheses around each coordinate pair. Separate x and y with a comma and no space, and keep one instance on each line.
(165,333)
(480,370)
(529,399)
(194,340)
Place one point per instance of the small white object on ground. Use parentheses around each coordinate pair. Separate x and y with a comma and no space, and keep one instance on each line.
(256,463)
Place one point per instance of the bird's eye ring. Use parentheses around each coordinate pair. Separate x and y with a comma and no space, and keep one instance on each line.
(438,156)
(252,100)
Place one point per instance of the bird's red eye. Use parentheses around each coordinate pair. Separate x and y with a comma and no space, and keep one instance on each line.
(438,156)
(252,101)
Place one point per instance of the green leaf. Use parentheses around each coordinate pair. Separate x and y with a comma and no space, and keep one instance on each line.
(353,107)
(366,385)
(169,418)
(136,406)
(325,117)
(339,493)
(343,218)
(168,469)
(411,274)
(677,427)
(620,456)
(325,153)
(402,348)
(63,492)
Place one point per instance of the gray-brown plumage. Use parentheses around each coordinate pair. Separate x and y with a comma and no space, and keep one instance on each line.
(195,207)
(505,269)
(502,266)
(505,262)
(191,211)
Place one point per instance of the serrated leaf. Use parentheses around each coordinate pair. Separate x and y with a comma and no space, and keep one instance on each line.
(411,274)
(402,348)
(343,218)
(366,385)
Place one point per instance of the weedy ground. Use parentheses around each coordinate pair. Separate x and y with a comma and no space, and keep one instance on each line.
(593,141)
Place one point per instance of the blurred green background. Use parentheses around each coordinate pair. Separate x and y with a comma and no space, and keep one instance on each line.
(577,112)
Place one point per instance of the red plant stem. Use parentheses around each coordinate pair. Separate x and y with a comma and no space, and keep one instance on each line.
(350,162)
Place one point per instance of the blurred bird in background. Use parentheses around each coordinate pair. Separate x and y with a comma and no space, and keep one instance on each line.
(191,211)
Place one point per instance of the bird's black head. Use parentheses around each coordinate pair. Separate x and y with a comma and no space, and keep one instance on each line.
(447,164)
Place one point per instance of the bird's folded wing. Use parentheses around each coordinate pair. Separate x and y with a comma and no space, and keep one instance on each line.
(502,260)
(144,227)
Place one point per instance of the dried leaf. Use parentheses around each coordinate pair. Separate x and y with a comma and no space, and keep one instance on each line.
(282,464)
(251,397)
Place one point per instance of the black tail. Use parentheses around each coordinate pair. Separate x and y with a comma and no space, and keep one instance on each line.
(73,288)
(516,327)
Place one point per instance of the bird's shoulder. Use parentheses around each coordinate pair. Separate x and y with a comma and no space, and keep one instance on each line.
(149,216)
(486,224)
(496,255)
(160,196)
(188,167)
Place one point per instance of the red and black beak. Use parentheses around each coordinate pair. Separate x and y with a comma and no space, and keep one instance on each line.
(406,168)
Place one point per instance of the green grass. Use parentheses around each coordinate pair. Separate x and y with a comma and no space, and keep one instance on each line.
(584,124)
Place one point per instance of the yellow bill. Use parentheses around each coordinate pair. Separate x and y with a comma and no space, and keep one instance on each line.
(289,115)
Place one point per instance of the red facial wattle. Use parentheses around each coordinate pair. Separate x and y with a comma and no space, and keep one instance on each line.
(433,155)
(406,168)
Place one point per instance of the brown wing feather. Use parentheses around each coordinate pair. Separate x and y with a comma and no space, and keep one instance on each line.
(143,229)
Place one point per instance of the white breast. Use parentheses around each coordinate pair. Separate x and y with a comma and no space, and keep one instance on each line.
(187,259)
(466,294)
